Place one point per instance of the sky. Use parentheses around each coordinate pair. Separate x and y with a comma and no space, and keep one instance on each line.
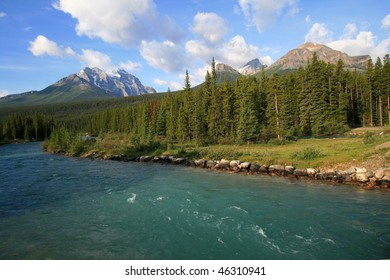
(42,41)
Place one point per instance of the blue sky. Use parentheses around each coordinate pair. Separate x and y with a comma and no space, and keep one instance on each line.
(156,40)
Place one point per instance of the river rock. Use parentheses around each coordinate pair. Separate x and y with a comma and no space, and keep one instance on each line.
(300,172)
(200,163)
(370,174)
(223,164)
(145,158)
(350,171)
(360,170)
(165,159)
(179,160)
(235,164)
(386,172)
(245,165)
(348,178)
(254,168)
(362,177)
(211,164)
(379,174)
(276,168)
(289,169)
(323,176)
(263,168)
(311,171)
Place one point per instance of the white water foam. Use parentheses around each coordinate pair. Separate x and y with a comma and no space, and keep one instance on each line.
(132,198)
(328,240)
(268,241)
(221,241)
(239,209)
(262,232)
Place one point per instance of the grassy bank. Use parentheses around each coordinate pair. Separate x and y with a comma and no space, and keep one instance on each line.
(366,149)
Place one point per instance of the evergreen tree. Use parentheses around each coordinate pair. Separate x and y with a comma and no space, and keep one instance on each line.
(273,109)
(215,125)
(161,125)
(200,117)
(247,130)
(386,88)
(188,107)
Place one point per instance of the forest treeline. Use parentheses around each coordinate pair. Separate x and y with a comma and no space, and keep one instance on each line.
(319,99)
(26,122)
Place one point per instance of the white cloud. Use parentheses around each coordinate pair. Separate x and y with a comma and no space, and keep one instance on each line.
(266,60)
(308,19)
(261,13)
(200,50)
(3,93)
(175,86)
(160,82)
(319,33)
(236,52)
(43,46)
(198,76)
(166,55)
(130,66)
(92,58)
(350,30)
(124,22)
(88,58)
(210,26)
(352,41)
(386,22)
(2,14)
(27,29)
(172,85)
(364,43)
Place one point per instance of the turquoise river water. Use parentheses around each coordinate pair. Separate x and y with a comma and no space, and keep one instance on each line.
(57,207)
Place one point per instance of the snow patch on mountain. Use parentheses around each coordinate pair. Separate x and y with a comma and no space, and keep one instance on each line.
(118,83)
(252,67)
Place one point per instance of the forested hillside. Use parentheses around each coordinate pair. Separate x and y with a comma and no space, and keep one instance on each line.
(320,99)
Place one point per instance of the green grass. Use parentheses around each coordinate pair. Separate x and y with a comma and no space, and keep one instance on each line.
(303,153)
(317,153)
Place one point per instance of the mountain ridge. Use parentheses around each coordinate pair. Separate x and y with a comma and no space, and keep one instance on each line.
(251,67)
(87,84)
(299,56)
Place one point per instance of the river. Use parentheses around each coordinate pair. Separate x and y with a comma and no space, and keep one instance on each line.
(57,207)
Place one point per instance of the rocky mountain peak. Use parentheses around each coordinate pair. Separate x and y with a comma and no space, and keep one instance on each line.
(299,57)
(220,67)
(119,83)
(313,47)
(252,67)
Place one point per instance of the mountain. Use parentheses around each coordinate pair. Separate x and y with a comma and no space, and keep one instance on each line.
(120,83)
(252,67)
(226,72)
(298,57)
(88,84)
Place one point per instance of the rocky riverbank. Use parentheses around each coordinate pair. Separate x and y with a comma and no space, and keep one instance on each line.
(379,178)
